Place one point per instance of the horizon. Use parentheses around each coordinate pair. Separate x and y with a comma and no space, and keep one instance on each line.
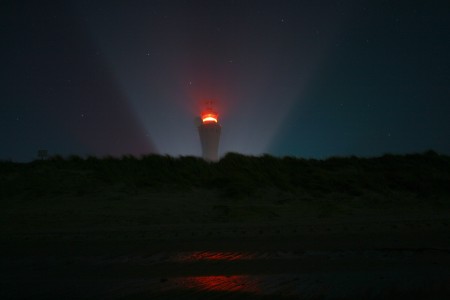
(57,157)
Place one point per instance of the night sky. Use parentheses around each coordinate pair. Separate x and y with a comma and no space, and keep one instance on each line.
(299,78)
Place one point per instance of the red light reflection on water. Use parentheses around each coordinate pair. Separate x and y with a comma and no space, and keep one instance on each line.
(215,283)
(220,283)
(212,255)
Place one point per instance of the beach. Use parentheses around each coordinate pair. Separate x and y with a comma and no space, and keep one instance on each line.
(325,260)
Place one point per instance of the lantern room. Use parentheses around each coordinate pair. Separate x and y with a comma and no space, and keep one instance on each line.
(209,116)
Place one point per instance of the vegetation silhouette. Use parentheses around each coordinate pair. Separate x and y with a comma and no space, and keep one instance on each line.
(421,177)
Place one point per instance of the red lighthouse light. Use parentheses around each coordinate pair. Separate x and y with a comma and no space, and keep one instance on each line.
(209,117)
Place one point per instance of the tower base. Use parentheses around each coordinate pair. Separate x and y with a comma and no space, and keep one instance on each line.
(209,137)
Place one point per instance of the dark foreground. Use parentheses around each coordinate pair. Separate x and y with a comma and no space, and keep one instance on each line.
(242,228)
(396,260)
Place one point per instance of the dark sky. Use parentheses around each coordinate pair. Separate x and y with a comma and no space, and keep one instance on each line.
(300,78)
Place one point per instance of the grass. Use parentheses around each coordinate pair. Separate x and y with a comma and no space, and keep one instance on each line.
(90,192)
(423,176)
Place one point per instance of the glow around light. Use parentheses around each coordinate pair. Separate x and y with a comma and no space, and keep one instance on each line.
(209,116)
(253,114)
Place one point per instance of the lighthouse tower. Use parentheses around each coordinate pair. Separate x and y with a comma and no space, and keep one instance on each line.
(209,131)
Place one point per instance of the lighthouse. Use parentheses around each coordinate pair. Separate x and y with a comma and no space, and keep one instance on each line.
(209,131)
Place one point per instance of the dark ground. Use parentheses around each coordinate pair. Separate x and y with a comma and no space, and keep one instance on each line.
(244,228)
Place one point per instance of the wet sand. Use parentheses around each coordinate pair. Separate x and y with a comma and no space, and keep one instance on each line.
(367,259)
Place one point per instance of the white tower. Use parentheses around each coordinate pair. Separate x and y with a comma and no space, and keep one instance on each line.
(209,131)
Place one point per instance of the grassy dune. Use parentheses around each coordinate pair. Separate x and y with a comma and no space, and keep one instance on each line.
(92,193)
